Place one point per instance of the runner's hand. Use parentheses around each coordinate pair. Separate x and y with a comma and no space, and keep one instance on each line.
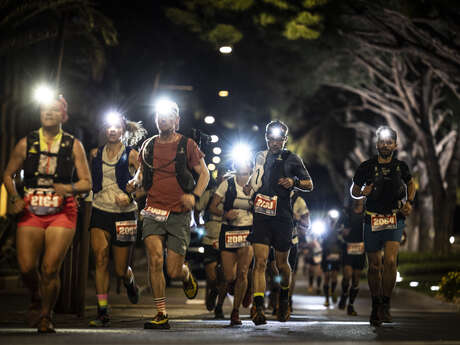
(367,189)
(286,182)
(61,189)
(131,186)
(188,200)
(122,200)
(230,214)
(406,209)
(18,206)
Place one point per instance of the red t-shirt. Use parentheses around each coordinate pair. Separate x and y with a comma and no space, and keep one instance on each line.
(166,192)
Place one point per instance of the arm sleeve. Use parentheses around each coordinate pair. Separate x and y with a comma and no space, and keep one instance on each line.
(204,200)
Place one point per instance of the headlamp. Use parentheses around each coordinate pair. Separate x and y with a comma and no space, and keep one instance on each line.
(165,107)
(318,227)
(114,118)
(241,154)
(44,95)
(276,133)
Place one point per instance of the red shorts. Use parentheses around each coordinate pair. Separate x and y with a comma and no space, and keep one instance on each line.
(67,218)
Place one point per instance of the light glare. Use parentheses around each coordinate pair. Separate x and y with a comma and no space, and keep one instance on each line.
(413,284)
(217,150)
(434,288)
(216,159)
(166,107)
(113,118)
(241,153)
(43,94)
(334,214)
(225,49)
(211,167)
(223,93)
(209,120)
(214,138)
(318,227)
(452,239)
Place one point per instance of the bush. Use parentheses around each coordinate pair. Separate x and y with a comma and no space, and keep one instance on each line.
(449,288)
(434,267)
(416,257)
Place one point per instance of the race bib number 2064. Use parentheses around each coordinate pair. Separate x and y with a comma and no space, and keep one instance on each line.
(381,222)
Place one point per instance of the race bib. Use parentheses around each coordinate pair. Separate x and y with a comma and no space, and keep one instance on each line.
(265,204)
(155,213)
(44,202)
(355,248)
(381,222)
(333,257)
(236,239)
(126,230)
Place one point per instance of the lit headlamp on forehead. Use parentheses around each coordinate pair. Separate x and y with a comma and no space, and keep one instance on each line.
(385,132)
(276,130)
(44,95)
(165,107)
(114,118)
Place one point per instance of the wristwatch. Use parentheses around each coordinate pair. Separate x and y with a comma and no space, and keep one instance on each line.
(196,197)
(14,198)
(296,182)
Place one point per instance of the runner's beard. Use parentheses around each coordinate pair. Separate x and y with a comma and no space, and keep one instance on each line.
(386,154)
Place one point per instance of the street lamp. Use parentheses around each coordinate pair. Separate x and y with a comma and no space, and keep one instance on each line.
(223,93)
(225,49)
(214,138)
(216,159)
(211,167)
(217,150)
(209,120)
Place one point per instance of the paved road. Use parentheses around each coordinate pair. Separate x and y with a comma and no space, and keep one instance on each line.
(418,320)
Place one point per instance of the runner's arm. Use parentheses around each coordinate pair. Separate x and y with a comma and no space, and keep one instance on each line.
(14,165)
(84,183)
(203,178)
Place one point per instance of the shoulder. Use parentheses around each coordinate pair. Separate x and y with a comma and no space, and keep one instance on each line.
(369,164)
(77,145)
(260,157)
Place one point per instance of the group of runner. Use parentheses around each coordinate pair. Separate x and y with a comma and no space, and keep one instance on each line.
(249,213)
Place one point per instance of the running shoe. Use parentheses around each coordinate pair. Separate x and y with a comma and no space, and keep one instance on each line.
(259,317)
(326,303)
(283,313)
(45,325)
(190,287)
(351,310)
(102,320)
(235,318)
(159,322)
(375,319)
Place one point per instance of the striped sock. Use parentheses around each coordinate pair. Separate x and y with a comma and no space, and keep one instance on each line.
(102,301)
(160,304)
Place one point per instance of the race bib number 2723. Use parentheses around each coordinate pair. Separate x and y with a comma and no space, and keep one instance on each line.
(265,204)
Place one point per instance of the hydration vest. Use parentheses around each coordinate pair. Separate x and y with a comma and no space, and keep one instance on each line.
(183,174)
(388,188)
(278,170)
(64,166)
(230,194)
(122,173)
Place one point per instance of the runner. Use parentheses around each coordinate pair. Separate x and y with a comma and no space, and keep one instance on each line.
(236,253)
(277,171)
(114,215)
(389,189)
(215,282)
(301,225)
(165,174)
(330,262)
(49,157)
(353,257)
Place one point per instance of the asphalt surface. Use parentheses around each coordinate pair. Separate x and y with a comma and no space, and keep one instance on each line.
(418,319)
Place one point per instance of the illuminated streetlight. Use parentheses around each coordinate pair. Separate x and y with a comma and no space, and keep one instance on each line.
(399,279)
(452,239)
(225,49)
(334,214)
(217,150)
(209,120)
(434,288)
(214,138)
(223,93)
(413,284)
(211,167)
(216,159)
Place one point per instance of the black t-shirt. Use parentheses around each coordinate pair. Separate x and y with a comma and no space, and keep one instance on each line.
(354,222)
(274,169)
(388,180)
